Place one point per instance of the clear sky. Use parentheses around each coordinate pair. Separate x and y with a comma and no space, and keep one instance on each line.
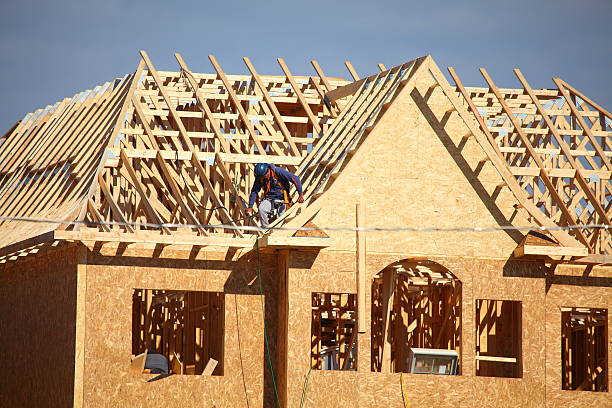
(50,50)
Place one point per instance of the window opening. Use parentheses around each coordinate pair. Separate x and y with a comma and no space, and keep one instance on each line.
(186,328)
(416,305)
(584,349)
(498,338)
(334,331)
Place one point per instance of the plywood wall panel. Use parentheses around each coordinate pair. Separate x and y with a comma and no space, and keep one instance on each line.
(414,170)
(37,330)
(111,281)
(573,296)
(481,278)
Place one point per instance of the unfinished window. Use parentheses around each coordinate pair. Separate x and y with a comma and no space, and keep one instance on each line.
(416,309)
(185,328)
(334,331)
(498,338)
(584,352)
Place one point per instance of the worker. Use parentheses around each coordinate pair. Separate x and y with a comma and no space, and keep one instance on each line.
(276,199)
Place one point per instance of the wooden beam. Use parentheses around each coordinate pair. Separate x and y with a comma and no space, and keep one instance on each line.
(298,93)
(273,241)
(152,237)
(351,70)
(241,112)
(525,250)
(387,301)
(205,156)
(495,359)
(361,267)
(488,144)
(594,259)
(273,108)
(530,149)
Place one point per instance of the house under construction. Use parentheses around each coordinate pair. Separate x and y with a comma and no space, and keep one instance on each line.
(454,247)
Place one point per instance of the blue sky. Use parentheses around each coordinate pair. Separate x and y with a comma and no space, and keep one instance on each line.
(53,49)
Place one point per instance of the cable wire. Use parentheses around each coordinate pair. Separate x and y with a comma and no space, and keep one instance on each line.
(324,228)
(305,388)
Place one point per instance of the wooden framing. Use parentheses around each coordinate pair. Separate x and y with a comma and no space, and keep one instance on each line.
(181,146)
(584,352)
(143,183)
(414,304)
(178,148)
(186,326)
(543,130)
(498,338)
(334,331)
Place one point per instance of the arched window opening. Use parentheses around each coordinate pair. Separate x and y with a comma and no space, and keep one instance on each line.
(416,305)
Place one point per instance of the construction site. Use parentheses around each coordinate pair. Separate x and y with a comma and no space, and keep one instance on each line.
(453,246)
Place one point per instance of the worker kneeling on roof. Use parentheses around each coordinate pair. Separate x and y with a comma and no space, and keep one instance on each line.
(276,199)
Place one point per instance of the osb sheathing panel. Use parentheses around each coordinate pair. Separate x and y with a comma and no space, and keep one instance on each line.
(575,293)
(110,282)
(330,271)
(37,330)
(414,170)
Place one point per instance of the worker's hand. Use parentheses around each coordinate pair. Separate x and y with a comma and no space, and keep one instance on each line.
(250,211)
(300,198)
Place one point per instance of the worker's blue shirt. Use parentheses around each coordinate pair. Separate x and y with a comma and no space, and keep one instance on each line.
(282,182)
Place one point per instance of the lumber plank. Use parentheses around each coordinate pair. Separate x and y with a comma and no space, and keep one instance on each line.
(530,149)
(273,108)
(351,70)
(140,188)
(241,112)
(361,267)
(210,367)
(488,144)
(152,237)
(300,96)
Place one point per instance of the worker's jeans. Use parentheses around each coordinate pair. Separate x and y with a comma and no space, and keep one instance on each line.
(267,209)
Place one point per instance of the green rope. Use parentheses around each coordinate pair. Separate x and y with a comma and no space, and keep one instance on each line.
(305,388)
(264,320)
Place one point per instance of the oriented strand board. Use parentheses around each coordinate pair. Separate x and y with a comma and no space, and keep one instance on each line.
(330,271)
(576,293)
(38,302)
(415,170)
(110,283)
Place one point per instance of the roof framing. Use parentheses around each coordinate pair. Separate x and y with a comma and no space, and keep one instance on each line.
(162,147)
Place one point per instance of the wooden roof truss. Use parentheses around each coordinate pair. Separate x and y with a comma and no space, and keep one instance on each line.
(162,147)
(557,144)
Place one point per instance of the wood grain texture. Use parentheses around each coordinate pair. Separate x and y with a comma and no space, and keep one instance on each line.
(38,303)
(108,345)
(331,271)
